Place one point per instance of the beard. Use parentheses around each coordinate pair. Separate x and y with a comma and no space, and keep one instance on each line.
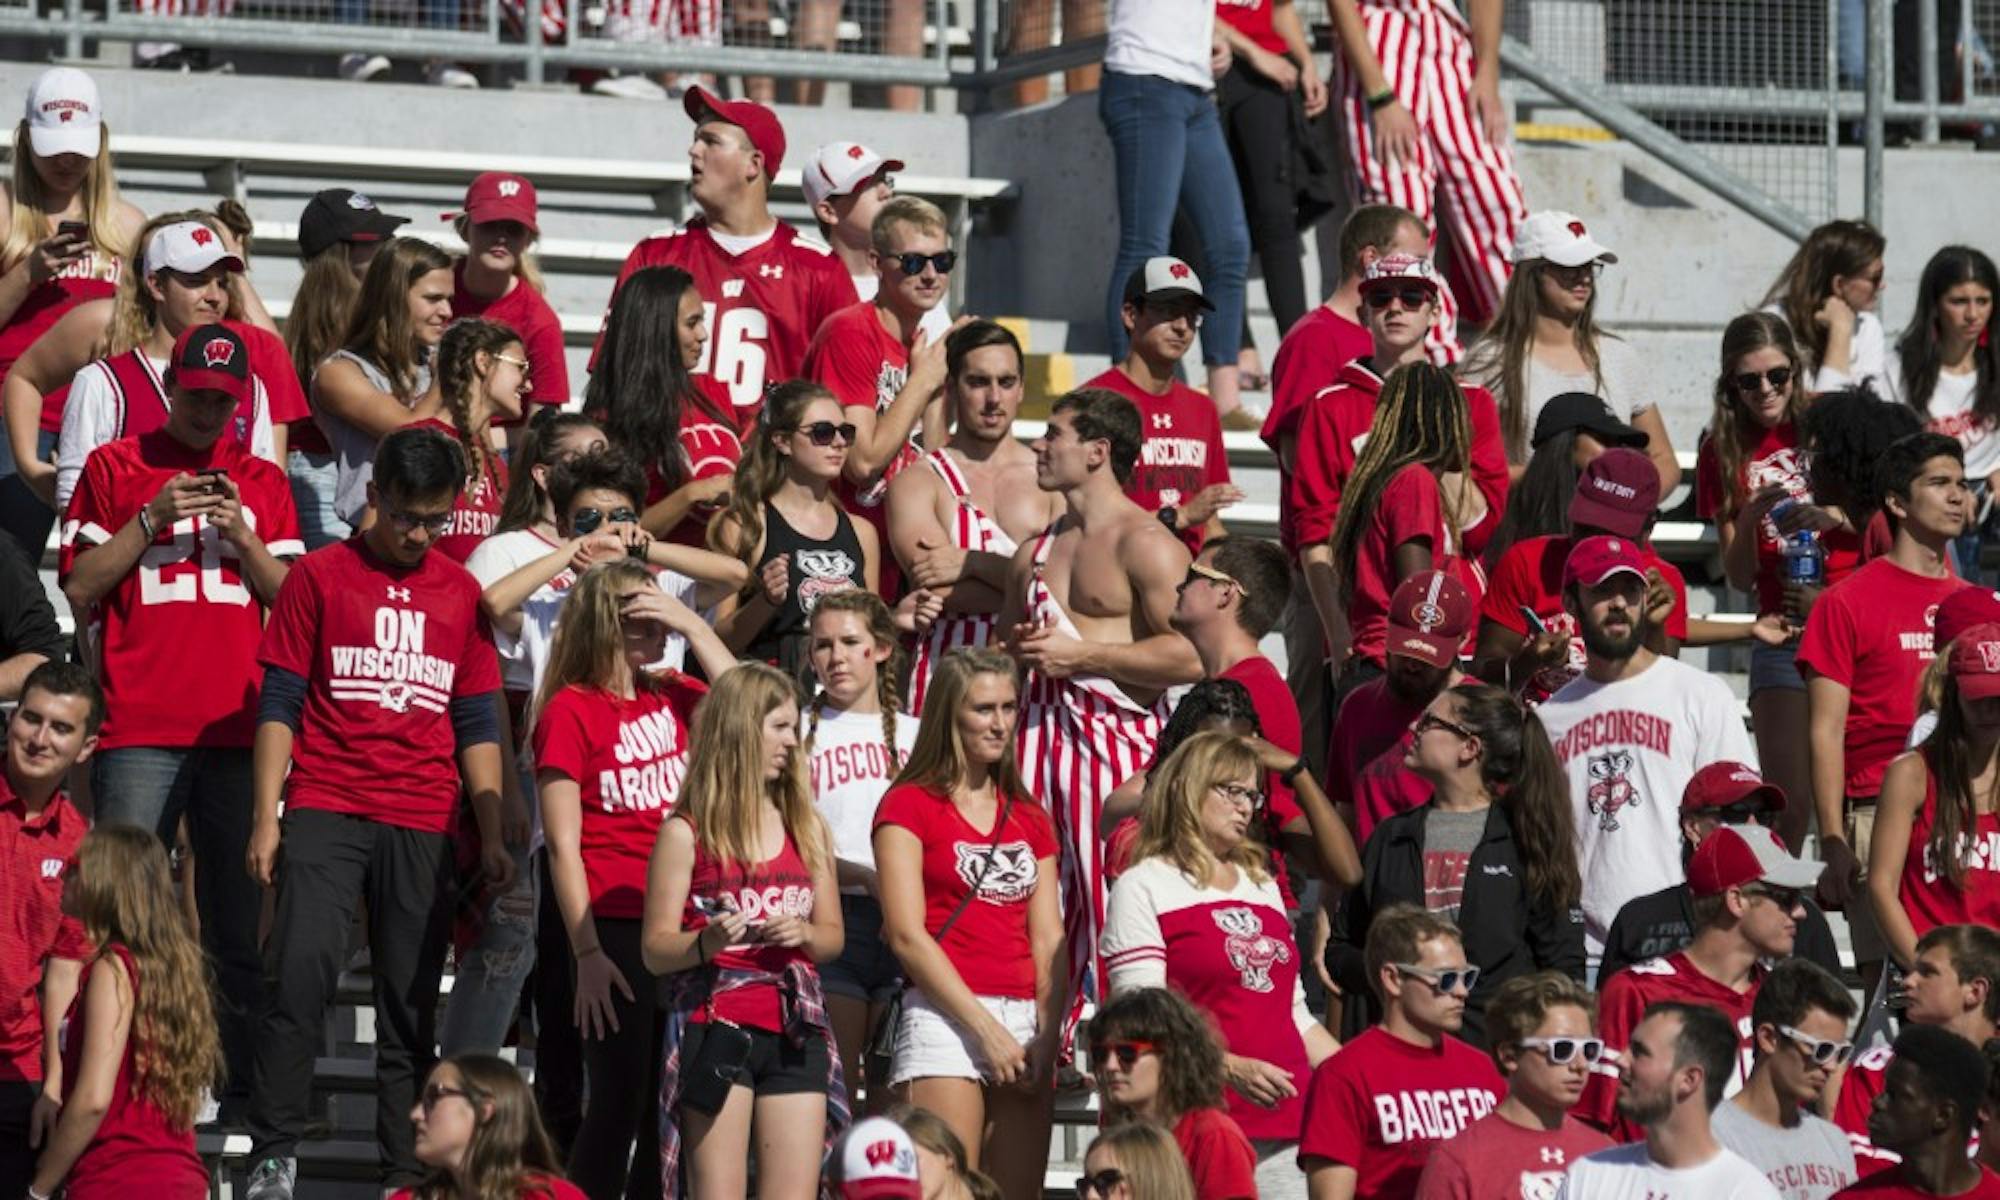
(1604,645)
(1644,1110)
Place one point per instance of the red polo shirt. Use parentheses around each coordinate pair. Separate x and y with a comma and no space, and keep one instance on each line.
(33,852)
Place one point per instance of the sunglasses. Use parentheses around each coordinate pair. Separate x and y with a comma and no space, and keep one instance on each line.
(511,361)
(1822,1052)
(1430,721)
(822,433)
(1197,572)
(435,523)
(1442,982)
(587,520)
(1560,1050)
(1174,312)
(1562,274)
(1099,1184)
(1753,382)
(912,263)
(1409,297)
(1786,899)
(434,1093)
(1126,1052)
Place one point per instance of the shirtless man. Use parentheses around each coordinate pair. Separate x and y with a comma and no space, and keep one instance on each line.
(1089,614)
(955,527)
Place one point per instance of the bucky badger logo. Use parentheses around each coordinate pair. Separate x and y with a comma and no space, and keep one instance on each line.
(1251,951)
(1611,788)
(1011,878)
(396,697)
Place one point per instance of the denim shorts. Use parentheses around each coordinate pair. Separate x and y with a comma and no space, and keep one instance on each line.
(1775,667)
(866,969)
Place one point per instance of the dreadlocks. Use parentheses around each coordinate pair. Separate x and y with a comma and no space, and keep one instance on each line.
(1420,421)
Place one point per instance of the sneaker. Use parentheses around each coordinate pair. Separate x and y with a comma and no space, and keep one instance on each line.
(273,1179)
(451,75)
(360,67)
(628,87)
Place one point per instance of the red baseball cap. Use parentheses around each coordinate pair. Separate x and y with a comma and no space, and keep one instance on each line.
(1617,493)
(499,196)
(1975,662)
(1429,616)
(1726,784)
(1593,560)
(211,358)
(1735,855)
(758,123)
(1962,610)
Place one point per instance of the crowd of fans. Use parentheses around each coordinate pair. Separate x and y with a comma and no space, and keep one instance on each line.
(823,781)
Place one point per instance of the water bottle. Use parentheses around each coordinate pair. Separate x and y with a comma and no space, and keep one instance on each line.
(1805,558)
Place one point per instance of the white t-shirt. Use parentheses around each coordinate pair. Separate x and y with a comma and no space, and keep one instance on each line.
(1867,361)
(1950,413)
(90,420)
(1629,749)
(936,322)
(1172,39)
(1628,1173)
(851,769)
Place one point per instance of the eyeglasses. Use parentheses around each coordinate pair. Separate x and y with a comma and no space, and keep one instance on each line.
(1099,1184)
(1236,793)
(436,1092)
(1786,899)
(822,433)
(1442,982)
(1126,1052)
(1198,572)
(1409,297)
(434,523)
(1431,720)
(1560,1050)
(912,263)
(587,520)
(1822,1052)
(1752,382)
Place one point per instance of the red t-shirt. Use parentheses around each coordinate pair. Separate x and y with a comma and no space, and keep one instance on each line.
(33,852)
(1866,1076)
(1220,1158)
(1335,424)
(271,363)
(988,944)
(1365,758)
(384,650)
(178,635)
(1252,19)
(780,886)
(1529,575)
(1871,633)
(535,1187)
(763,305)
(1499,1160)
(1890,1185)
(857,360)
(711,445)
(1774,460)
(89,276)
(1278,716)
(1622,1004)
(1180,447)
(1409,509)
(1309,359)
(627,759)
(1928,895)
(1381,1105)
(476,512)
(527,313)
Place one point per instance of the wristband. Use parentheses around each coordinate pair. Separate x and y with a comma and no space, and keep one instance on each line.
(1171,518)
(1382,99)
(1292,772)
(146,525)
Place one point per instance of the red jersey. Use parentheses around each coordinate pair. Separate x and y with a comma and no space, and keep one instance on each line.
(1529,575)
(1890,1185)
(91,275)
(1410,508)
(475,514)
(857,360)
(134,1140)
(763,305)
(1365,757)
(1278,717)
(383,650)
(1871,633)
(33,852)
(177,636)
(1335,424)
(527,313)
(1866,1076)
(1381,1106)
(1774,460)
(1218,1155)
(1252,19)
(628,759)
(1622,1004)
(988,944)
(1180,448)
(777,887)
(1499,1160)
(1928,894)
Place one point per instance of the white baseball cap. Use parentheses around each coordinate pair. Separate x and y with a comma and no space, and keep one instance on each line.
(838,168)
(64,113)
(878,1161)
(1165,277)
(1560,238)
(189,247)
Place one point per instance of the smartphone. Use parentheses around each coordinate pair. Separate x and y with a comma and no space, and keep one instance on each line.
(708,906)
(214,481)
(1535,623)
(75,231)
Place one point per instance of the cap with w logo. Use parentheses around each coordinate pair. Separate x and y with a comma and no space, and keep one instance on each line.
(211,358)
(499,196)
(1975,662)
(1165,278)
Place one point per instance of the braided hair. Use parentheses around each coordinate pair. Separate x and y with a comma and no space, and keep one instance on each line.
(888,693)
(459,382)
(1420,421)
(1207,703)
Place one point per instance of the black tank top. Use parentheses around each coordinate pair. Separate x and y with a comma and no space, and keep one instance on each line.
(817,567)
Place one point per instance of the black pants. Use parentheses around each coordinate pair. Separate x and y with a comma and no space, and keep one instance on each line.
(17,1158)
(624,1080)
(558,1049)
(331,865)
(1257,123)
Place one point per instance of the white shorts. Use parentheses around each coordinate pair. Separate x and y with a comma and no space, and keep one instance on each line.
(930,1044)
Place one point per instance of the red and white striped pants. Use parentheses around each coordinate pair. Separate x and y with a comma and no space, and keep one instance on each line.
(1459,182)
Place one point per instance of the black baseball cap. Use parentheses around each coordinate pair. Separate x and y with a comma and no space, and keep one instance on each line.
(211,358)
(1588,413)
(343,215)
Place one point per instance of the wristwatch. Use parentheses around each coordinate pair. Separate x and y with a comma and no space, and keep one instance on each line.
(1171,518)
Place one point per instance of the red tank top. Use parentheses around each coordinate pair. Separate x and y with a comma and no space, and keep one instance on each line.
(135,1140)
(1928,894)
(90,277)
(476,514)
(780,886)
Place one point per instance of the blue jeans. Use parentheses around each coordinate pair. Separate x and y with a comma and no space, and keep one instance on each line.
(23,516)
(154,787)
(313,477)
(1167,141)
(486,991)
